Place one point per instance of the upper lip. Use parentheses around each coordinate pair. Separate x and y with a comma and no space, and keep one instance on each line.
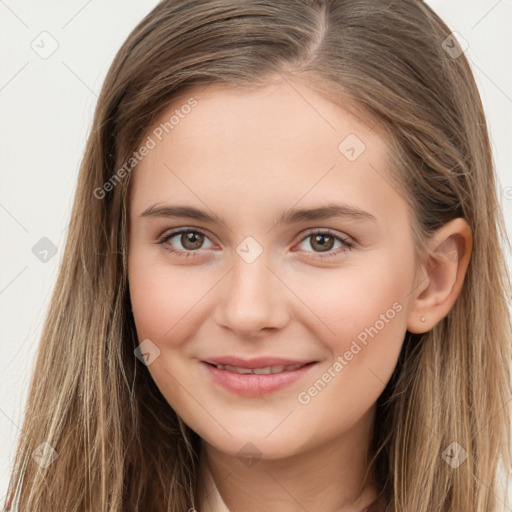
(257,362)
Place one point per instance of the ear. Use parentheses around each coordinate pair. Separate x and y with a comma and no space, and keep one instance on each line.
(440,279)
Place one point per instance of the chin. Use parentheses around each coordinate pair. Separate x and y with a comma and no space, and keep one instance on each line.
(254,446)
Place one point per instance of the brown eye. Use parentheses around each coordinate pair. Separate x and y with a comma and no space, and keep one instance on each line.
(185,242)
(322,243)
(325,244)
(192,240)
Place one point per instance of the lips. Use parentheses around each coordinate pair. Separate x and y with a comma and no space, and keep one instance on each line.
(258,376)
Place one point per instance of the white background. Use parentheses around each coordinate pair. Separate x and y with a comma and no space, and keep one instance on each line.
(47,107)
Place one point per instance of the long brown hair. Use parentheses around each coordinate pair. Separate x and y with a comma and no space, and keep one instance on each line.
(120,445)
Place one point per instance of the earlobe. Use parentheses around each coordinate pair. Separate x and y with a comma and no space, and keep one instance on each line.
(442,276)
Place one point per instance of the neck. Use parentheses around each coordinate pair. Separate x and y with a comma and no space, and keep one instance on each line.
(328,477)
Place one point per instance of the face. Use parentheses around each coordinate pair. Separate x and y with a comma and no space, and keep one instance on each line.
(266,235)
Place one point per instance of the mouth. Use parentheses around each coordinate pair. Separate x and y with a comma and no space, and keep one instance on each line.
(256,377)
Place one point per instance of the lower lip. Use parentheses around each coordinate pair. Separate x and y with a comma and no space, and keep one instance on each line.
(251,384)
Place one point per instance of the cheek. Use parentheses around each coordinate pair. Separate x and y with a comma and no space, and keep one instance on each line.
(162,300)
(366,312)
(355,302)
(163,303)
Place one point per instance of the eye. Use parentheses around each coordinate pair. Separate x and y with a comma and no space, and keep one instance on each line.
(323,241)
(189,239)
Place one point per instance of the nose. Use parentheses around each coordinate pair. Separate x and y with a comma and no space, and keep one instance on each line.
(252,298)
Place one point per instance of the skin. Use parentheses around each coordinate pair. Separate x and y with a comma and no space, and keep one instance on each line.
(246,157)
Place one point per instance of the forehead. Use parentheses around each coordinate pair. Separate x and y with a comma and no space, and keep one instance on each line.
(284,112)
(272,144)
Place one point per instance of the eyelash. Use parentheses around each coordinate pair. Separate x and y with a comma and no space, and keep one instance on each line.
(348,245)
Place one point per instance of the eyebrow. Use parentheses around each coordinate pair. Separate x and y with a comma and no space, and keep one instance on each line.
(290,216)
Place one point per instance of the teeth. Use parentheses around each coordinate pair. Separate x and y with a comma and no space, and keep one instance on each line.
(259,371)
(262,371)
(293,367)
(230,368)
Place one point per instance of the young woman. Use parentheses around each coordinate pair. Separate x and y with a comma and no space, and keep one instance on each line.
(283,287)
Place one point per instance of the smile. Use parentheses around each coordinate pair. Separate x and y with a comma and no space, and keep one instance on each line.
(261,379)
